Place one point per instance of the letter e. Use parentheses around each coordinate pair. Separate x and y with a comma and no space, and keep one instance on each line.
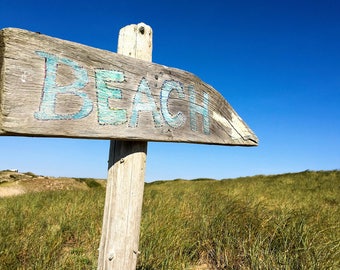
(107,115)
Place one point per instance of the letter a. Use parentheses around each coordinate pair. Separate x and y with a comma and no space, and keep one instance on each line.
(149,106)
(51,89)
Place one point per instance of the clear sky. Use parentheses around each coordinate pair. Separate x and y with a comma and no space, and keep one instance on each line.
(276,62)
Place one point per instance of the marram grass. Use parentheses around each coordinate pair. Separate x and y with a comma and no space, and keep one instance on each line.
(288,221)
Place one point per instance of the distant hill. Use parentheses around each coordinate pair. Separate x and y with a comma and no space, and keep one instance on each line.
(14,183)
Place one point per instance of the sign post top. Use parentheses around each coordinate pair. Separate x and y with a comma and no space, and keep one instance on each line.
(139,45)
(55,88)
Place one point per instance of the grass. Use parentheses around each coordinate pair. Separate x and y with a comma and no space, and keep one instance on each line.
(50,230)
(288,221)
(90,182)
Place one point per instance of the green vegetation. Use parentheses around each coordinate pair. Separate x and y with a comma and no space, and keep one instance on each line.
(288,221)
(90,182)
(51,230)
(31,174)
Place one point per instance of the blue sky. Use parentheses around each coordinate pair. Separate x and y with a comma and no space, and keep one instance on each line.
(276,62)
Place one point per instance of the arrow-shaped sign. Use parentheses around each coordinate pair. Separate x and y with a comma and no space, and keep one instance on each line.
(56,88)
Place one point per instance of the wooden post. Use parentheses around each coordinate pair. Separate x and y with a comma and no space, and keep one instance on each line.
(125,183)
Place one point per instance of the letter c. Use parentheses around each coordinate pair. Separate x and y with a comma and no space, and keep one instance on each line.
(167,87)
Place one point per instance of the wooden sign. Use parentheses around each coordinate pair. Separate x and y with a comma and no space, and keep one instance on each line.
(56,88)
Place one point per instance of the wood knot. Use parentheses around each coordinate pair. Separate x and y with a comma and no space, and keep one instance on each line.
(141,30)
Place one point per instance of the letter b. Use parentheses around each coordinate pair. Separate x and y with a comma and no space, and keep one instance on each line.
(51,89)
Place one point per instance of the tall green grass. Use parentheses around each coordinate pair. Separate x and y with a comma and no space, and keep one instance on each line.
(288,221)
(51,230)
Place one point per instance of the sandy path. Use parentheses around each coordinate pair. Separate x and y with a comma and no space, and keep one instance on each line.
(11,191)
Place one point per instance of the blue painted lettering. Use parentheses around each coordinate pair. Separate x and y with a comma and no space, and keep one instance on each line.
(143,102)
(179,119)
(51,89)
(107,115)
(203,110)
(147,106)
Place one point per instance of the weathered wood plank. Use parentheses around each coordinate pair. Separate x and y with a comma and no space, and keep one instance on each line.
(125,183)
(123,205)
(56,88)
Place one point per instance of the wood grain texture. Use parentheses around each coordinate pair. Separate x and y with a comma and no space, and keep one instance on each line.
(56,88)
(123,206)
(125,183)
